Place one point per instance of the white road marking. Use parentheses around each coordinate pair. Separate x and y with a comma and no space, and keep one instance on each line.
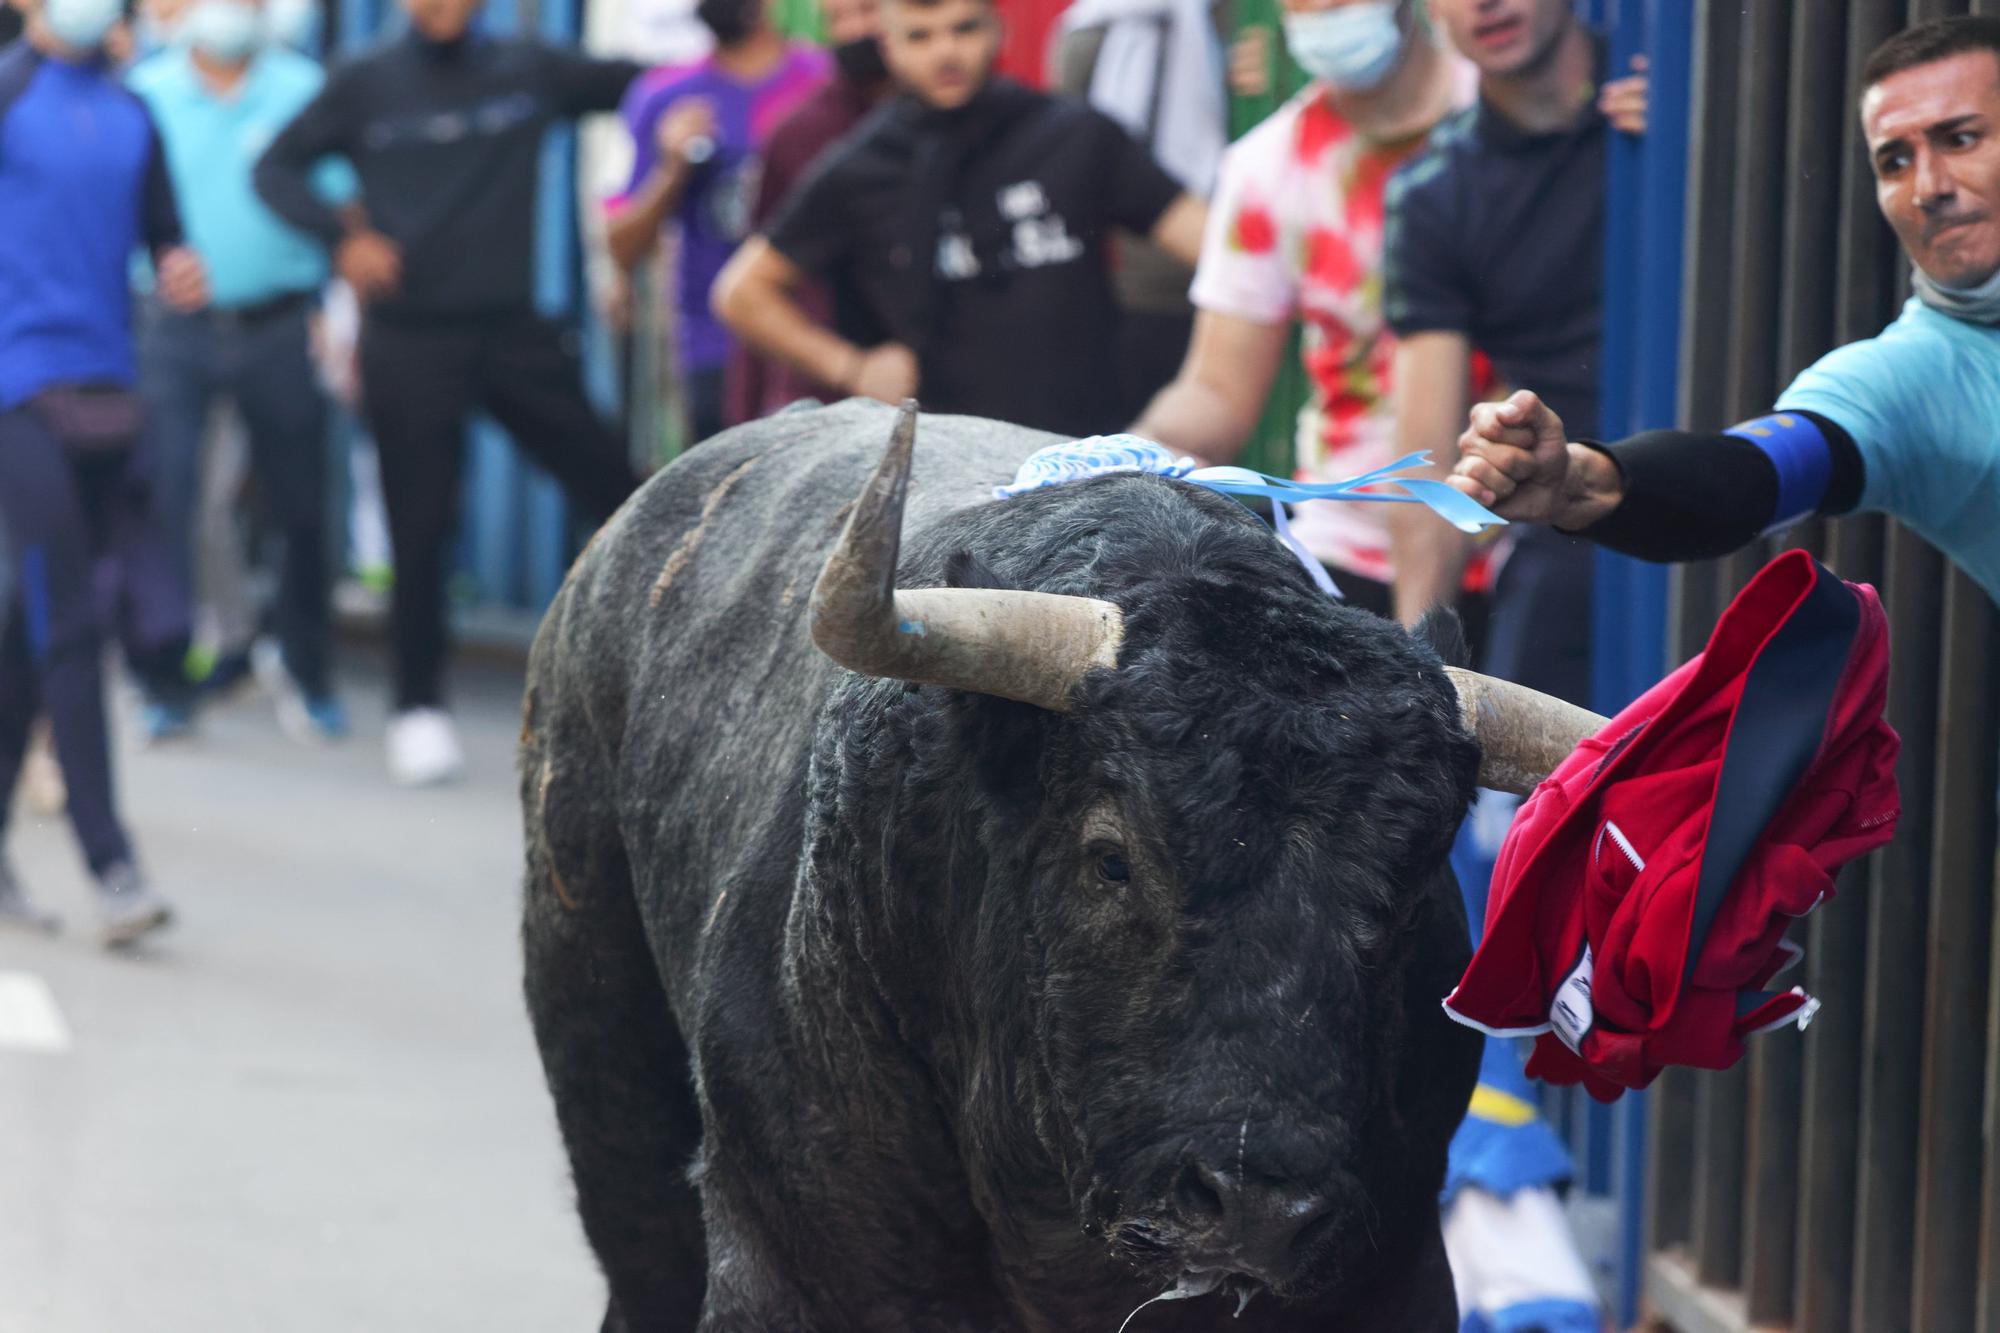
(29,1019)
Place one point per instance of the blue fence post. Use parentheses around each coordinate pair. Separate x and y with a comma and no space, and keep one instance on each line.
(545,525)
(359,20)
(1644,228)
(489,546)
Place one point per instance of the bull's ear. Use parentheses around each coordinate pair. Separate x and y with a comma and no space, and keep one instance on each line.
(968,569)
(1442,632)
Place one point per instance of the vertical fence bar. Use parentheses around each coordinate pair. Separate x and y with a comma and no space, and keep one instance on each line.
(1898,909)
(1836,966)
(1665,32)
(1949,1149)
(1614,615)
(1727,1188)
(1898,920)
(1718,1170)
(1987,1312)
(1708,283)
(1669,1185)
(1811,182)
(1684,1209)
(489,557)
(1644,228)
(544,514)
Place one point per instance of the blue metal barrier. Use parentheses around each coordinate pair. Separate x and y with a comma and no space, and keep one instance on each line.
(1644,214)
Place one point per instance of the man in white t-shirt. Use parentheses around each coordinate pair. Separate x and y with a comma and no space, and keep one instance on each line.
(1295,232)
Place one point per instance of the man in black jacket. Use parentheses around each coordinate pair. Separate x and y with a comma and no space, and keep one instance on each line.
(444,127)
(962,229)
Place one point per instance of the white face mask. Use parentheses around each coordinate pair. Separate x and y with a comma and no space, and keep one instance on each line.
(1975,305)
(81,24)
(293,23)
(1354,48)
(223,29)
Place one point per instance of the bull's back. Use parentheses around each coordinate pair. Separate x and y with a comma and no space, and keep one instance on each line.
(682,635)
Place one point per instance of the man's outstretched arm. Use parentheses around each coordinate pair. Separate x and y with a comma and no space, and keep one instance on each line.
(1662,495)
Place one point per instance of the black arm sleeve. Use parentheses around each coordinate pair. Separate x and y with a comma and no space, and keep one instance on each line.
(159,211)
(1690,496)
(284,174)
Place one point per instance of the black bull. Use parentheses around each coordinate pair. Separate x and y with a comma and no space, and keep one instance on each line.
(873,1006)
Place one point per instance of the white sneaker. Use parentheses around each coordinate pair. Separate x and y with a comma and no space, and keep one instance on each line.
(423,748)
(128,907)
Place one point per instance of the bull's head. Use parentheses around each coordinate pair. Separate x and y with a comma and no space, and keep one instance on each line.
(1231,872)
(1036,647)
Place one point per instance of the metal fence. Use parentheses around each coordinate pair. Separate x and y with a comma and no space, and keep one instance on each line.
(1841,1181)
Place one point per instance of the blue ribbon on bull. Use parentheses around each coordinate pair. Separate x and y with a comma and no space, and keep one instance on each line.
(1099,455)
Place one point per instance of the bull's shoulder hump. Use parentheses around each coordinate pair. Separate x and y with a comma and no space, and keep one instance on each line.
(747,518)
(773,492)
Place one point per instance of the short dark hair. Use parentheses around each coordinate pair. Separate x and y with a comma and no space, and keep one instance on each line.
(1928,43)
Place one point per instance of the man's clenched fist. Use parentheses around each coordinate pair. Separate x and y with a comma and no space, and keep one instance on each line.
(1516,459)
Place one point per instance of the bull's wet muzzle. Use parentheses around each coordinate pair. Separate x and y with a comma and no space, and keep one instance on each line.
(1244,1226)
(1219,1219)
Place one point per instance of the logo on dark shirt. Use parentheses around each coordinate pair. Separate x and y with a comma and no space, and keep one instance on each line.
(488,119)
(1037,237)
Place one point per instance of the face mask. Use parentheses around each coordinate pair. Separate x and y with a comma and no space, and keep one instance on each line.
(222,29)
(730,20)
(81,24)
(1354,48)
(293,23)
(1975,305)
(860,60)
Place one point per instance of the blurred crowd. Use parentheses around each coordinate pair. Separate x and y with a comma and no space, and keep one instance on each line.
(247,248)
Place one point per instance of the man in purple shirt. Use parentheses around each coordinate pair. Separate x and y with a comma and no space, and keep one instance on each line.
(695,133)
(760,385)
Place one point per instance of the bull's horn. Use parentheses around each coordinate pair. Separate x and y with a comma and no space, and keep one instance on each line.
(1030,646)
(1522,733)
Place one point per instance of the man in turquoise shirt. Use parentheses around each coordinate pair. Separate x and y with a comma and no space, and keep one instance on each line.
(219,94)
(1905,423)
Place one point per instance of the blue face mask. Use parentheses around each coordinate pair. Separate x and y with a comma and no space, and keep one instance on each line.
(225,30)
(1354,48)
(81,24)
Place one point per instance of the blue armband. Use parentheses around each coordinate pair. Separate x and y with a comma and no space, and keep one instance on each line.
(1799,451)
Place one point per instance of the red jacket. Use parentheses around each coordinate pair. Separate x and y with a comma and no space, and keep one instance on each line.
(1639,904)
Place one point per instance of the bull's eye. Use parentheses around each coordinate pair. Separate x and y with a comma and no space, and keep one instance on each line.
(1111,868)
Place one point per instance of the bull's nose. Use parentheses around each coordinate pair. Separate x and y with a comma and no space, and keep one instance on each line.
(1247,1226)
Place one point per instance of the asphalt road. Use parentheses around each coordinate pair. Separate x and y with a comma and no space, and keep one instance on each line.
(314,1107)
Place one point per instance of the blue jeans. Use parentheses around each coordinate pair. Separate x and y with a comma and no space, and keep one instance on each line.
(265,366)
